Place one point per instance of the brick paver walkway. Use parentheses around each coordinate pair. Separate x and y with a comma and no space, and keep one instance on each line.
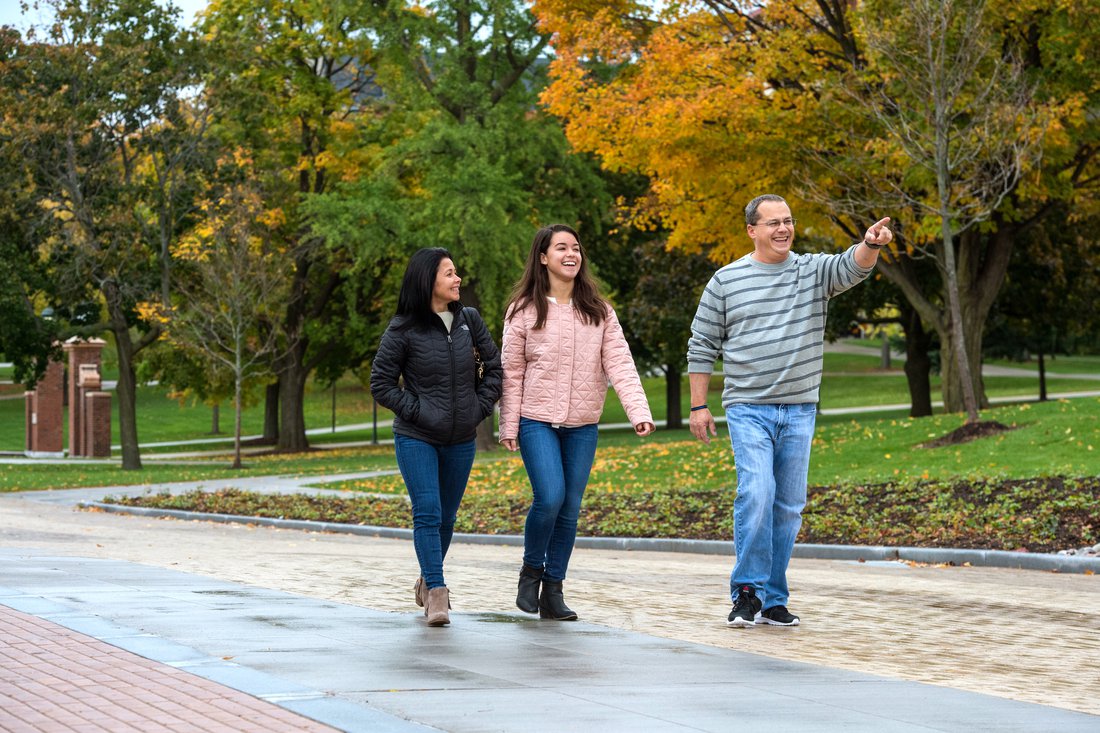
(53,679)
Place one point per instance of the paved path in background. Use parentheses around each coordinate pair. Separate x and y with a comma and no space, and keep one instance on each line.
(655,622)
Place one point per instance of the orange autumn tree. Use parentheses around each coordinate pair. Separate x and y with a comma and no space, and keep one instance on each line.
(718,100)
(653,94)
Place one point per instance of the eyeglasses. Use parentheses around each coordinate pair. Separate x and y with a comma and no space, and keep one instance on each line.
(774,223)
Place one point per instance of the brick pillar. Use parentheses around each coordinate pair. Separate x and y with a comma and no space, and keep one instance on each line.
(45,413)
(97,424)
(80,353)
(87,383)
(29,422)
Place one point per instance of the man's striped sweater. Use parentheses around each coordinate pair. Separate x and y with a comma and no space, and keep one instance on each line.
(767,325)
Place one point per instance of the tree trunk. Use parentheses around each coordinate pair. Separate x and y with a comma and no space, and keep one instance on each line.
(126,392)
(271,414)
(953,399)
(237,422)
(958,336)
(674,417)
(918,366)
(1042,377)
(292,420)
(485,435)
(215,419)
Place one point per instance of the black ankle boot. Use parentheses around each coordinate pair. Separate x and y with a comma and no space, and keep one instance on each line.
(528,597)
(552,603)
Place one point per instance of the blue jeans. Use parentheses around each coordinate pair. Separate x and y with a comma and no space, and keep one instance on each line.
(771,448)
(435,477)
(558,461)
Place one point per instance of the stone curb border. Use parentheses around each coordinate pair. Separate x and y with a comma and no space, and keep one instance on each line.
(852,553)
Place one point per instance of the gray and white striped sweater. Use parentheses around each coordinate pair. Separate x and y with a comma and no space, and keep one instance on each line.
(767,325)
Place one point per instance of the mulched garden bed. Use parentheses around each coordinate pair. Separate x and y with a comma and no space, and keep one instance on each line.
(1029,515)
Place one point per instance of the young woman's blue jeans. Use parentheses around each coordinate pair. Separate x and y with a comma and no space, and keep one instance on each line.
(558,461)
(771,448)
(435,476)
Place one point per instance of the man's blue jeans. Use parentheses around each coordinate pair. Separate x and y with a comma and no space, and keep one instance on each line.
(435,477)
(771,448)
(558,461)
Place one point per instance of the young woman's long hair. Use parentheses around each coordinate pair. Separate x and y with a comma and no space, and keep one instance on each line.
(415,298)
(534,285)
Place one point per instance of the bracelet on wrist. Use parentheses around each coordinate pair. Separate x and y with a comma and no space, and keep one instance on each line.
(699,407)
(873,246)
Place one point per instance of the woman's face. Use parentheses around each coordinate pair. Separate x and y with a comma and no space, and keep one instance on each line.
(563,257)
(446,285)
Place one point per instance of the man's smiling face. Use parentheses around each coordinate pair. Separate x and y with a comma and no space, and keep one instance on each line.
(773,233)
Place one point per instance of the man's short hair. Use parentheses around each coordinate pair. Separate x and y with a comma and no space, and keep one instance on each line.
(751,214)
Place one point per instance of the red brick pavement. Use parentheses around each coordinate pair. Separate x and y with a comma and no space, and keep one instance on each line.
(53,679)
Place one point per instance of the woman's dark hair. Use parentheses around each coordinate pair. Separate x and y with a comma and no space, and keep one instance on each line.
(534,285)
(415,299)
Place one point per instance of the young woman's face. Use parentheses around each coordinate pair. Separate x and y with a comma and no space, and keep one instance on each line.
(446,285)
(563,256)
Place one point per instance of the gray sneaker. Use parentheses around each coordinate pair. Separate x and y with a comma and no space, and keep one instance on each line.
(777,616)
(745,608)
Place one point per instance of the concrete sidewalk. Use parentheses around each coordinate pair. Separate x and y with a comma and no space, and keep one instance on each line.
(358,669)
(324,625)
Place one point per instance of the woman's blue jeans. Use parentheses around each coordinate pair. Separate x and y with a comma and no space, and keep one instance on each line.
(771,448)
(558,461)
(435,477)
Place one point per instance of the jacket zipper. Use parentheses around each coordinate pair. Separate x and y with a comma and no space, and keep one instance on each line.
(454,385)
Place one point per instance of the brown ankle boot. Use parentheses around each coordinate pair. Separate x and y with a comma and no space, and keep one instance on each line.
(439,602)
(419,590)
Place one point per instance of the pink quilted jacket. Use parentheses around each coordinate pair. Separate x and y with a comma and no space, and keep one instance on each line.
(559,373)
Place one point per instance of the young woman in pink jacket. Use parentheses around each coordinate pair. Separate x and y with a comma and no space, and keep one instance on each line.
(562,343)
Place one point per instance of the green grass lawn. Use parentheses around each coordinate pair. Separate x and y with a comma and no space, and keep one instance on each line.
(163,419)
(1052,437)
(24,477)
(871,482)
(850,380)
(1035,488)
(1048,439)
(1056,364)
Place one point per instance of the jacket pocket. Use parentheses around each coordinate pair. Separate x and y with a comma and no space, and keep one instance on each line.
(429,418)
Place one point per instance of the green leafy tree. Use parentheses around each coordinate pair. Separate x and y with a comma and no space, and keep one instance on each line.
(659,312)
(720,100)
(105,150)
(948,100)
(25,286)
(1048,305)
(230,282)
(294,84)
(463,158)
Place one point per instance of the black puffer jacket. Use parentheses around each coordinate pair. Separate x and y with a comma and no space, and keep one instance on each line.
(440,401)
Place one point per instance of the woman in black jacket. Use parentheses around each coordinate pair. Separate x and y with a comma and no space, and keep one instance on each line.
(452,376)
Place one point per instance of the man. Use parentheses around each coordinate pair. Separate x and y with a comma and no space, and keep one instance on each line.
(764,316)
